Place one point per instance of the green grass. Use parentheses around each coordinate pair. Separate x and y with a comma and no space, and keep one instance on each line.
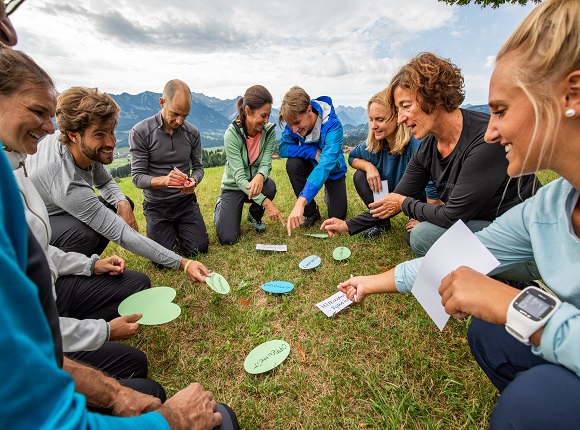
(381,364)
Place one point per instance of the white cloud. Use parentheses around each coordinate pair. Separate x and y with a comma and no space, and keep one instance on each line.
(490,63)
(348,50)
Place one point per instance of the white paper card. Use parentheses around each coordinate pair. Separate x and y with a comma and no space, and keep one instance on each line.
(383,192)
(279,248)
(457,247)
(334,304)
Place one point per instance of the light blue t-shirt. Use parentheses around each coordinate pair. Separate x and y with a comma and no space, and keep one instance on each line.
(539,228)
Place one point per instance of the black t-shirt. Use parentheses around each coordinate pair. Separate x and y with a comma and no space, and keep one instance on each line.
(472,180)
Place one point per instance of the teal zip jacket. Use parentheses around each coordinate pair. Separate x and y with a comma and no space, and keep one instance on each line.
(238,172)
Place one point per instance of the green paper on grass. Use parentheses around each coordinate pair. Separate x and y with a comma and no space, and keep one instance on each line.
(341,253)
(317,235)
(156,305)
(218,283)
(266,356)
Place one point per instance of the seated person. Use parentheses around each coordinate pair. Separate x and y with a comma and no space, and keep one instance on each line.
(88,290)
(469,175)
(249,145)
(534,362)
(67,166)
(384,156)
(312,142)
(37,393)
(166,165)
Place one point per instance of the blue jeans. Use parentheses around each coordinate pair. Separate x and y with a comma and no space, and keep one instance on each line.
(425,234)
(535,394)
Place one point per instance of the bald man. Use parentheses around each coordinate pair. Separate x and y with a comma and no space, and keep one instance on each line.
(166,165)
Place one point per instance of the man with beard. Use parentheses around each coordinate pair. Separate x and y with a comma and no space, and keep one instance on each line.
(68,166)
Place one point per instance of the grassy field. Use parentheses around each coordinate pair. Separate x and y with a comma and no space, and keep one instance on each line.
(381,364)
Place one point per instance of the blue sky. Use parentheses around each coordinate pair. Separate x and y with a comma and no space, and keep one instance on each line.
(348,50)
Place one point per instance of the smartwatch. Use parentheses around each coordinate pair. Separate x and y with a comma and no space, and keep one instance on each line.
(529,311)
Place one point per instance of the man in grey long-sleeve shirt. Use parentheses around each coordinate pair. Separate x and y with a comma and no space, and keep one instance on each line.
(69,164)
(166,165)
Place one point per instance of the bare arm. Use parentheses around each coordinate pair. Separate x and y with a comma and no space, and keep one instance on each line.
(104,392)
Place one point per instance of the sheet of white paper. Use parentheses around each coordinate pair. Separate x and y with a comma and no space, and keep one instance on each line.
(383,192)
(334,304)
(279,248)
(457,247)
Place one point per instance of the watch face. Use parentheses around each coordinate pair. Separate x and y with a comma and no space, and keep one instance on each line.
(534,304)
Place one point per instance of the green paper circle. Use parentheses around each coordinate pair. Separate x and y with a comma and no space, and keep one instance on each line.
(341,253)
(154,303)
(266,356)
(317,235)
(218,283)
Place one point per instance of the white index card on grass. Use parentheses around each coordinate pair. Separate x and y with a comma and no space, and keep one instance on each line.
(334,304)
(457,247)
(383,192)
(278,248)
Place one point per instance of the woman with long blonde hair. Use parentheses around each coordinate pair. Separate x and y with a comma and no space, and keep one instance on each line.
(384,156)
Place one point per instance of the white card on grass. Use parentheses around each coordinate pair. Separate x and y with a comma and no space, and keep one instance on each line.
(278,248)
(334,304)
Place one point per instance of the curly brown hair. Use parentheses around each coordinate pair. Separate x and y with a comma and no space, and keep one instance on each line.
(435,81)
(78,107)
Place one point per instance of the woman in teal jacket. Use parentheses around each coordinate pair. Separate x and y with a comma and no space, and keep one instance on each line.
(249,145)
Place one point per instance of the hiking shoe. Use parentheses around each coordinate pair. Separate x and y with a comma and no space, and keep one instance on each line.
(310,220)
(373,232)
(259,226)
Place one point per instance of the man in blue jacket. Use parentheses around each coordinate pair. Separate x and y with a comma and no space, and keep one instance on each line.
(312,142)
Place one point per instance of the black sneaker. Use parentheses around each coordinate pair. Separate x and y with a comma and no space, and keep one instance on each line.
(373,232)
(259,226)
(310,220)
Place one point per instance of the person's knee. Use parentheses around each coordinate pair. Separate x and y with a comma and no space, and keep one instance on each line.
(138,362)
(416,242)
(360,179)
(423,236)
(198,248)
(227,238)
(293,164)
(140,280)
(538,398)
(229,418)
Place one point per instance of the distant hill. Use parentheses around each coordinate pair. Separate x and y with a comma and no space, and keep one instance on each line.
(212,117)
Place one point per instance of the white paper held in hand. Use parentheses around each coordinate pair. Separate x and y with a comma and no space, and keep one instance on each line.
(457,247)
(383,192)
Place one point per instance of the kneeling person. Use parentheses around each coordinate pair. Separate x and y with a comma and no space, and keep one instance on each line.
(166,165)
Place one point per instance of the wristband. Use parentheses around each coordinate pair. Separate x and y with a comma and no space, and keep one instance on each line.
(108,330)
(186,265)
(93,265)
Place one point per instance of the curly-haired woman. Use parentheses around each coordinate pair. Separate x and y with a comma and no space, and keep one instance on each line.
(470,176)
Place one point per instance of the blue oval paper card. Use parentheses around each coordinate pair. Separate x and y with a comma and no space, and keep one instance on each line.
(310,262)
(278,287)
(266,356)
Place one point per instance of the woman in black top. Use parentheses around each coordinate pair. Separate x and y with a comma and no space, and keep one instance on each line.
(470,175)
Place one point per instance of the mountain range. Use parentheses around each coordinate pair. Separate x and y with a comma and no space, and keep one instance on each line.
(212,116)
